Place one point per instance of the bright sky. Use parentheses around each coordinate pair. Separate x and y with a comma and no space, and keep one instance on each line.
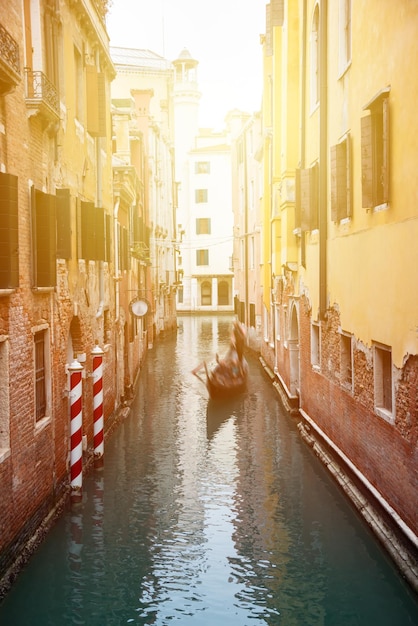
(223,35)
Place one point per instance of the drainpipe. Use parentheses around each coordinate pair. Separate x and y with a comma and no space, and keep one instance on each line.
(116,249)
(323,159)
(99,197)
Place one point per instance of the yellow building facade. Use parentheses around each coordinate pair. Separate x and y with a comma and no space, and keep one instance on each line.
(340,261)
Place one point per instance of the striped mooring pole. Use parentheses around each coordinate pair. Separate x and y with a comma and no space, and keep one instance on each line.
(76,452)
(98,440)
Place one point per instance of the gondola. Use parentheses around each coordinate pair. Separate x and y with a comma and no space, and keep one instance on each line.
(227,377)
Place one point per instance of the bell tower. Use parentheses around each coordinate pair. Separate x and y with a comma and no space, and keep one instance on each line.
(186,108)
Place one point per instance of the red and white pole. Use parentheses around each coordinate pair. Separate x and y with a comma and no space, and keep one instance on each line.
(76,453)
(98,440)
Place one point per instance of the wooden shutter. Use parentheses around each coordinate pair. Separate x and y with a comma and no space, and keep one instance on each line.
(313,196)
(108,221)
(63,207)
(45,240)
(339,181)
(92,99)
(385,165)
(304,199)
(366,161)
(88,230)
(101,104)
(100,234)
(9,232)
(269,33)
(297,199)
(277,12)
(96,102)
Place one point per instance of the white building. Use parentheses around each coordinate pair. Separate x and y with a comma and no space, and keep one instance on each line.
(204,209)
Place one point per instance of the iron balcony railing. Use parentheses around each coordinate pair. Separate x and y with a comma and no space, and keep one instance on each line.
(40,92)
(9,60)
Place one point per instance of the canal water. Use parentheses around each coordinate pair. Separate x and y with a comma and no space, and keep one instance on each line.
(208,515)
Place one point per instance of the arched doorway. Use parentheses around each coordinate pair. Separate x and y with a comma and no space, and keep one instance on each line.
(206,293)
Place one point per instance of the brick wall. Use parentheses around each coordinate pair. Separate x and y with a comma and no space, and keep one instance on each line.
(385,453)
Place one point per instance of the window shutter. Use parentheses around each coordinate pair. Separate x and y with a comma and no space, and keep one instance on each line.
(96,102)
(385,166)
(334,183)
(338,181)
(45,240)
(63,207)
(92,98)
(349,203)
(313,196)
(108,221)
(88,238)
(304,199)
(101,105)
(277,12)
(366,161)
(297,199)
(9,232)
(100,234)
(269,34)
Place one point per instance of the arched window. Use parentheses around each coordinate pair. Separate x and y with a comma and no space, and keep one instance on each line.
(223,292)
(315,58)
(206,293)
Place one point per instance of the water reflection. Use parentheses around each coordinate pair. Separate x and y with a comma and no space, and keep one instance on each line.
(208,513)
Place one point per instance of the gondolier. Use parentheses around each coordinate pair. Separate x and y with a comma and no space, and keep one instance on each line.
(228,376)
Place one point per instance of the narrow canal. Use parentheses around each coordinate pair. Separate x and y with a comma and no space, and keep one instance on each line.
(208,515)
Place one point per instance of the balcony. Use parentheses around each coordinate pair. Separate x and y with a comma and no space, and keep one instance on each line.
(41,97)
(9,62)
(141,252)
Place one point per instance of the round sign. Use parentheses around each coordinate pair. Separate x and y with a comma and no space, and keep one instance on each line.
(139,307)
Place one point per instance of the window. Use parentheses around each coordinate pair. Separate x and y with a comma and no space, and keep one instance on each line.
(383,387)
(344,34)
(201,195)
(40,375)
(346,360)
(9,232)
(315,58)
(202,167)
(223,293)
(307,197)
(206,293)
(315,345)
(180,295)
(340,181)
(202,257)
(203,226)
(375,151)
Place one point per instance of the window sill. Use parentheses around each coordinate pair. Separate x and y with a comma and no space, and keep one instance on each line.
(388,416)
(43,289)
(4,454)
(42,423)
